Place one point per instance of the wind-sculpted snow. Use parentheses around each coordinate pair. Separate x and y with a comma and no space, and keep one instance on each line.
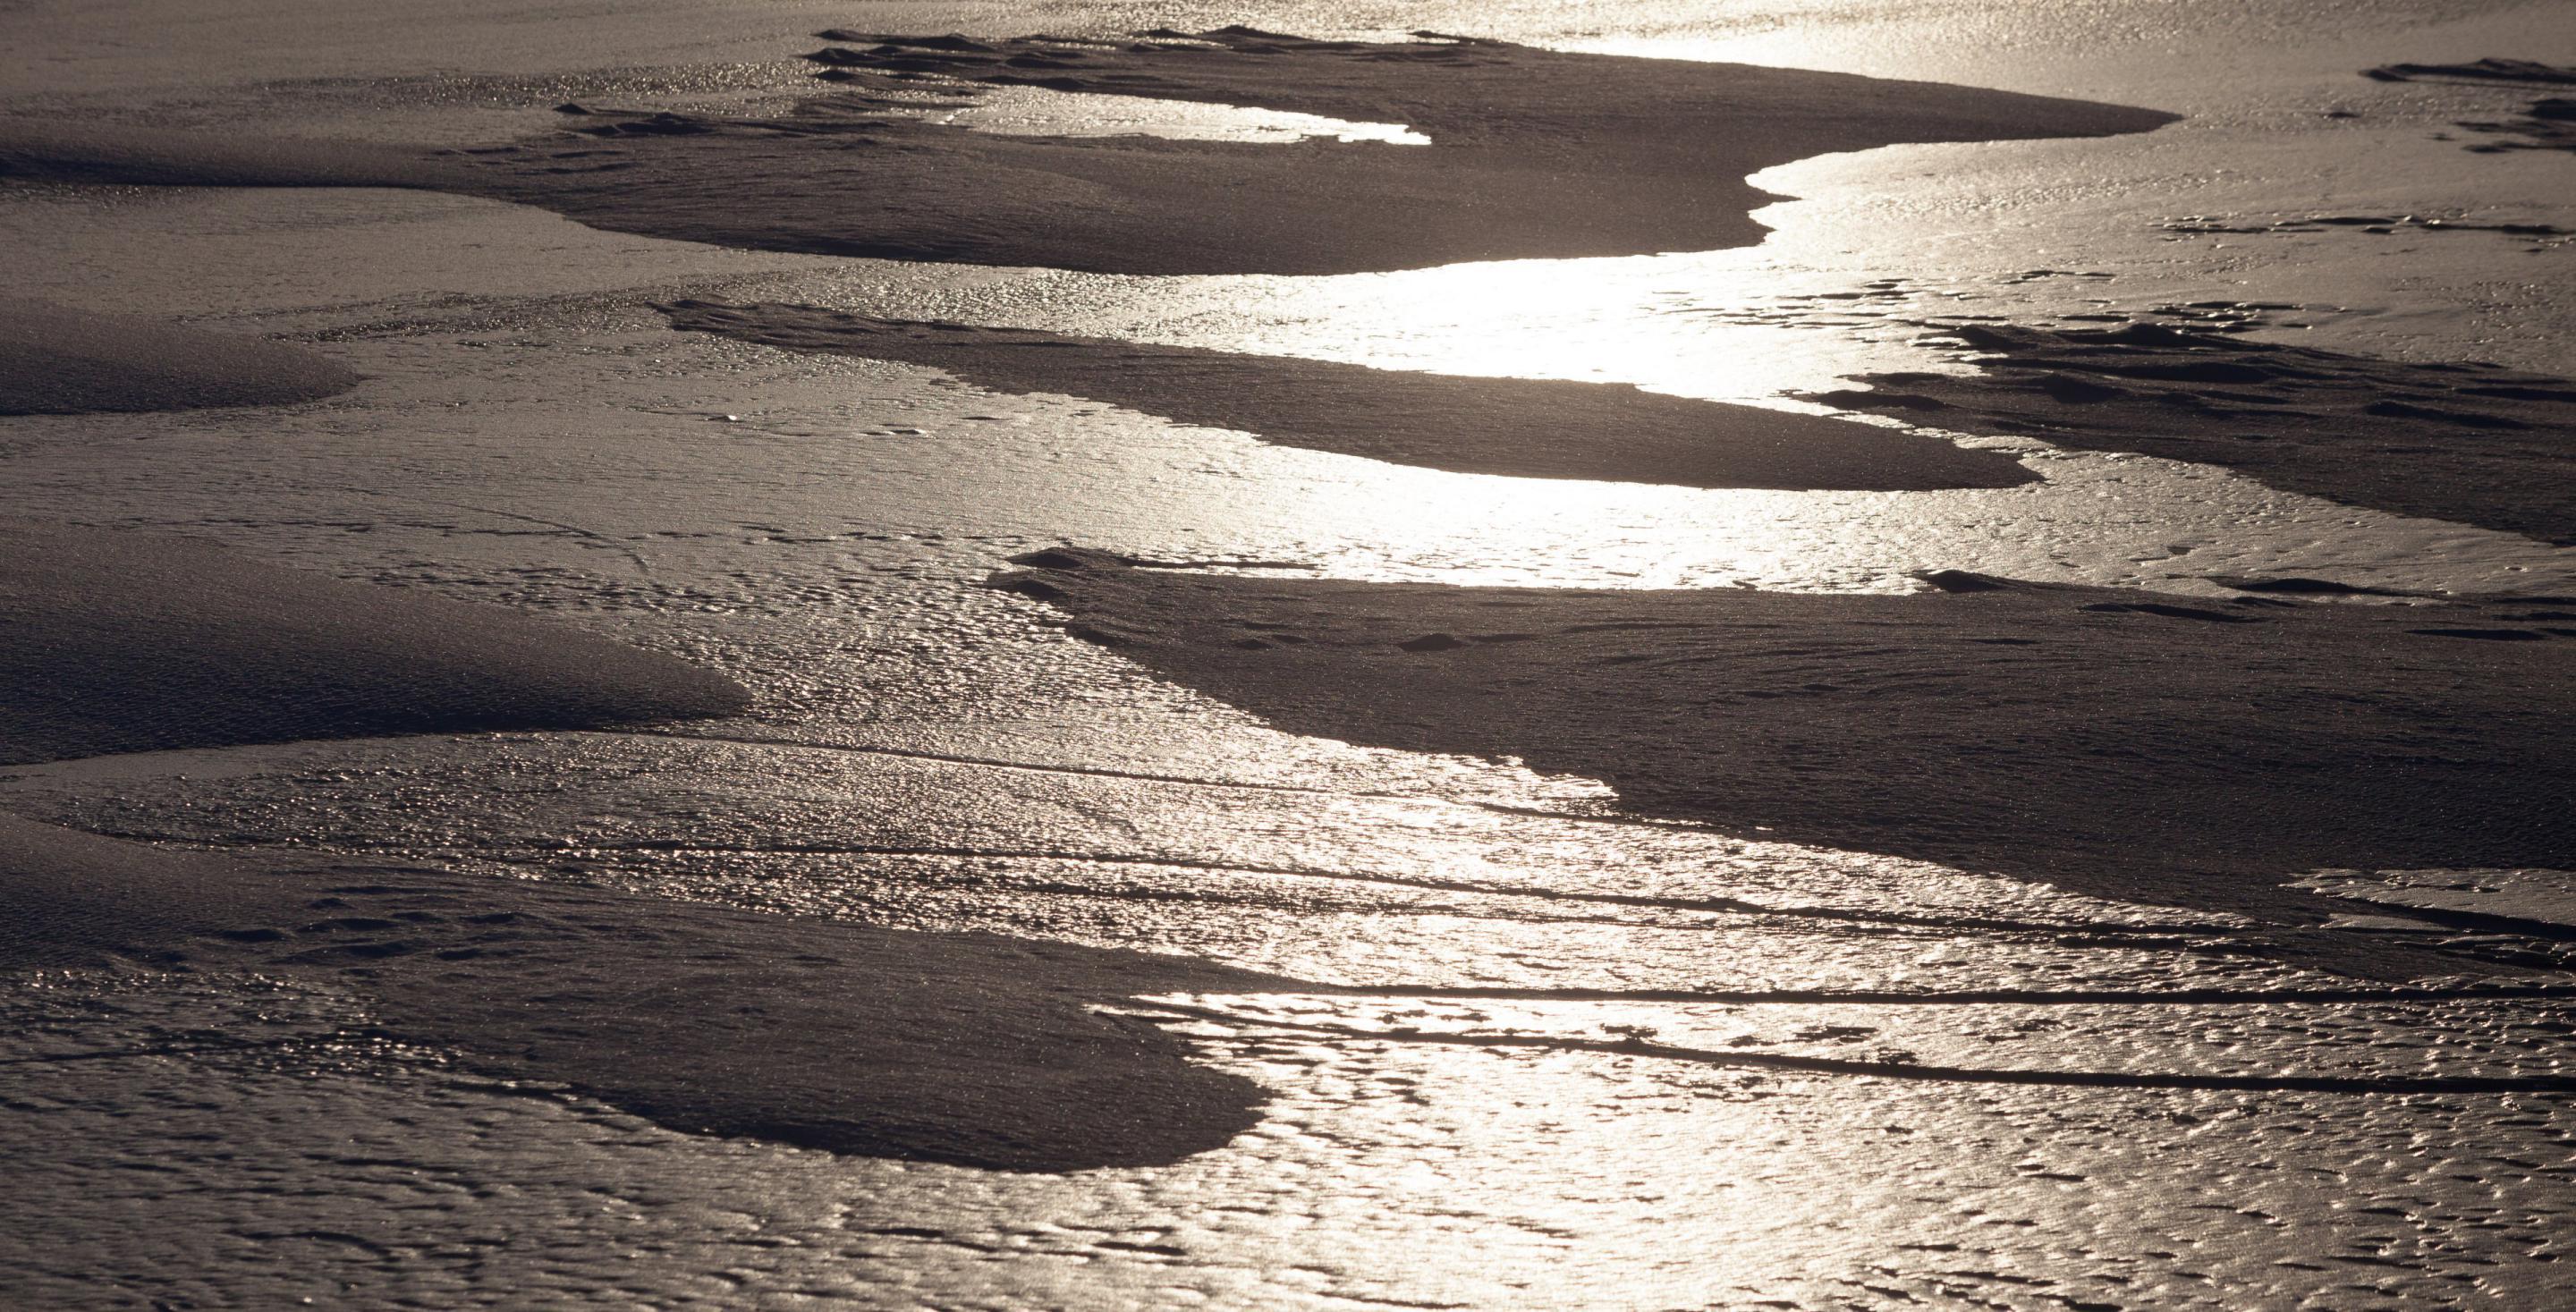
(1515,426)
(970,1049)
(2473,443)
(58,360)
(2548,123)
(1534,154)
(128,642)
(2115,742)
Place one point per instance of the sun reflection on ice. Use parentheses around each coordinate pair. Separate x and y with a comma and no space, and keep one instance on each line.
(1039,112)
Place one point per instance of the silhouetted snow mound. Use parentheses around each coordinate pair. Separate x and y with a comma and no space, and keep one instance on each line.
(56,360)
(129,642)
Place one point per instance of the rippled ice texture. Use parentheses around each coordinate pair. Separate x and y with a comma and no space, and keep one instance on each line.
(929,754)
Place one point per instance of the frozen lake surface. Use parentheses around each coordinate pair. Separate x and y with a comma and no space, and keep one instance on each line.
(1568,1058)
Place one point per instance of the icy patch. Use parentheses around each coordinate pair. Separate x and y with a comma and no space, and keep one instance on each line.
(1038,112)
